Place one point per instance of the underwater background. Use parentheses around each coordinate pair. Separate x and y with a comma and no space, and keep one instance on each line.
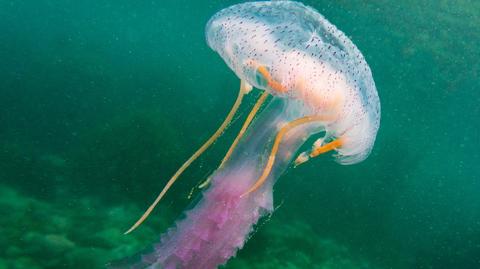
(101,102)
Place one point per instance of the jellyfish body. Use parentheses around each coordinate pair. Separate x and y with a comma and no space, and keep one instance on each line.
(319,82)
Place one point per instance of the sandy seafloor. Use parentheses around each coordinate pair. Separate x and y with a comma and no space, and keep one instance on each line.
(101,101)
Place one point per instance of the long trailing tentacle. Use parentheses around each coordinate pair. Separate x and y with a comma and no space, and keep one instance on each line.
(275,85)
(244,89)
(245,125)
(240,134)
(276,144)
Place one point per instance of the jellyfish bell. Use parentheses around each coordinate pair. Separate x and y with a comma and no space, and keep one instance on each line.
(291,51)
(313,80)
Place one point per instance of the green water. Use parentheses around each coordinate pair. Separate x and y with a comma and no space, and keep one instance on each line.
(101,101)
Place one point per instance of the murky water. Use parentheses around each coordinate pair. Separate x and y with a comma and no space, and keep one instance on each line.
(101,101)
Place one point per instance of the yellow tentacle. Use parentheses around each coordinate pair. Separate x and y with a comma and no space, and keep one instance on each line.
(276,144)
(240,134)
(244,88)
(304,157)
(327,147)
(245,125)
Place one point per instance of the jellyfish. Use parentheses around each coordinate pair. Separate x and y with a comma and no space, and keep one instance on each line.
(313,82)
